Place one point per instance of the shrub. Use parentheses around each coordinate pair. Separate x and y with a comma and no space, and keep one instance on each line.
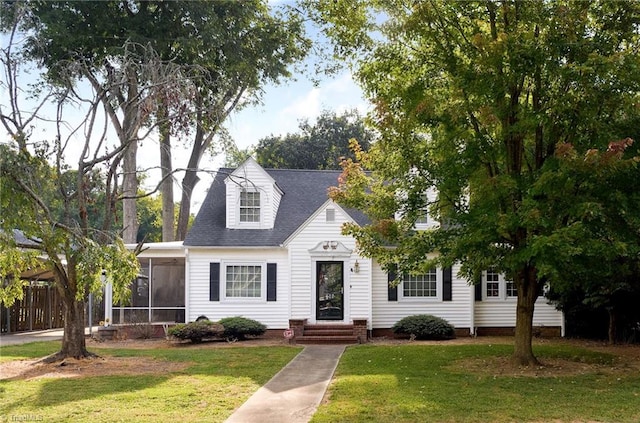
(425,326)
(197,331)
(241,327)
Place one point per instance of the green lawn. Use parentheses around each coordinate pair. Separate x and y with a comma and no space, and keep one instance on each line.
(214,383)
(433,383)
(373,383)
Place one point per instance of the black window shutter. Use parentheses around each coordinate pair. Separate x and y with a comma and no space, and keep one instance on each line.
(478,290)
(272,277)
(393,290)
(447,277)
(214,281)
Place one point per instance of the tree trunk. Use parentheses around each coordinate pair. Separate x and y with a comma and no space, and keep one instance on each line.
(612,325)
(527,284)
(188,183)
(200,144)
(73,340)
(168,215)
(129,192)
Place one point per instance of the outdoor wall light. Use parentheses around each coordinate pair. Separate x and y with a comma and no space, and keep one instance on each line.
(356,267)
(334,245)
(325,245)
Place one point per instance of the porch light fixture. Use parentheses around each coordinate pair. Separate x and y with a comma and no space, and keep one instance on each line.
(356,267)
(325,245)
(334,245)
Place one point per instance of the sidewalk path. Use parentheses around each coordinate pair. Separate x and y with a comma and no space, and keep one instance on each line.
(294,393)
(17,338)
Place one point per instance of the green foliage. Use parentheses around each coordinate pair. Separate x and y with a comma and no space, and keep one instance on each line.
(197,331)
(472,98)
(424,326)
(241,327)
(322,145)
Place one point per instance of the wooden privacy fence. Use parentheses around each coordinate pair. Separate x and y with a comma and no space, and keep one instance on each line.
(40,308)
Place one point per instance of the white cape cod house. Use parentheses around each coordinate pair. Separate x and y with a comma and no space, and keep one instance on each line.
(267,245)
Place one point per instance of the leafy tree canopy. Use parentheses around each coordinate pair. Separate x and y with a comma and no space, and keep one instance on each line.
(473,97)
(321,145)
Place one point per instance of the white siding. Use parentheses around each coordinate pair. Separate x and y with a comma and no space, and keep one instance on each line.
(251,176)
(386,313)
(357,290)
(502,313)
(274,314)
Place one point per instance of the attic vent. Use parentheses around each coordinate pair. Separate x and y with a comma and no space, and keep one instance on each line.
(331,215)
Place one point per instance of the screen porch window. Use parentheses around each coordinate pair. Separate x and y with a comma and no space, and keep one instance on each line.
(420,285)
(244,281)
(249,206)
(493,284)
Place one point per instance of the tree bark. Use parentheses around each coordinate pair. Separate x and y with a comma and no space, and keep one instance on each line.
(129,192)
(200,144)
(527,285)
(612,325)
(73,340)
(188,183)
(168,215)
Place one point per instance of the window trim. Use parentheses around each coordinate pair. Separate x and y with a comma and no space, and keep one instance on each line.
(502,288)
(260,208)
(436,298)
(263,281)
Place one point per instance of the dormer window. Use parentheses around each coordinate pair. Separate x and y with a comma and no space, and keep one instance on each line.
(249,206)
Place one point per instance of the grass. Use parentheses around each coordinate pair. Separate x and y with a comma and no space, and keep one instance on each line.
(373,383)
(214,383)
(433,383)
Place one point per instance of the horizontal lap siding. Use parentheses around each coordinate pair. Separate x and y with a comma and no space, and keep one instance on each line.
(357,290)
(386,313)
(503,313)
(274,314)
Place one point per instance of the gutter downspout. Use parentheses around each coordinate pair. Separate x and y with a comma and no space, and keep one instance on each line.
(187,285)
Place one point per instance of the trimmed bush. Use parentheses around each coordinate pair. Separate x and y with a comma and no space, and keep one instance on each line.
(425,326)
(197,331)
(241,327)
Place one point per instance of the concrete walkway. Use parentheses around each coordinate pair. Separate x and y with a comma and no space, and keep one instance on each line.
(17,338)
(294,393)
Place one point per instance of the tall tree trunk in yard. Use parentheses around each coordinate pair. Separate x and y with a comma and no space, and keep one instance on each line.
(190,179)
(168,215)
(527,285)
(73,340)
(612,325)
(129,192)
(188,183)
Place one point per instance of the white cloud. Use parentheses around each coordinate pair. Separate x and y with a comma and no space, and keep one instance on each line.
(308,106)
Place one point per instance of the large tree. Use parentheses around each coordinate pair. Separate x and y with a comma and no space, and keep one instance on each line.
(319,145)
(593,255)
(110,46)
(472,97)
(185,66)
(246,46)
(49,203)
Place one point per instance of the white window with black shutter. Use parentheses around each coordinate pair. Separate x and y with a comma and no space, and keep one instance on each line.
(434,285)
(243,281)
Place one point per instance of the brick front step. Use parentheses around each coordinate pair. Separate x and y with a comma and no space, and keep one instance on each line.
(327,339)
(328,334)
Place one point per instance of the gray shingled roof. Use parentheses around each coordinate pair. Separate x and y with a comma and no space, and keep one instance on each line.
(304,192)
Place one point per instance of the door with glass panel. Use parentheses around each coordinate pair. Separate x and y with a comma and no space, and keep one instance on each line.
(329,290)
